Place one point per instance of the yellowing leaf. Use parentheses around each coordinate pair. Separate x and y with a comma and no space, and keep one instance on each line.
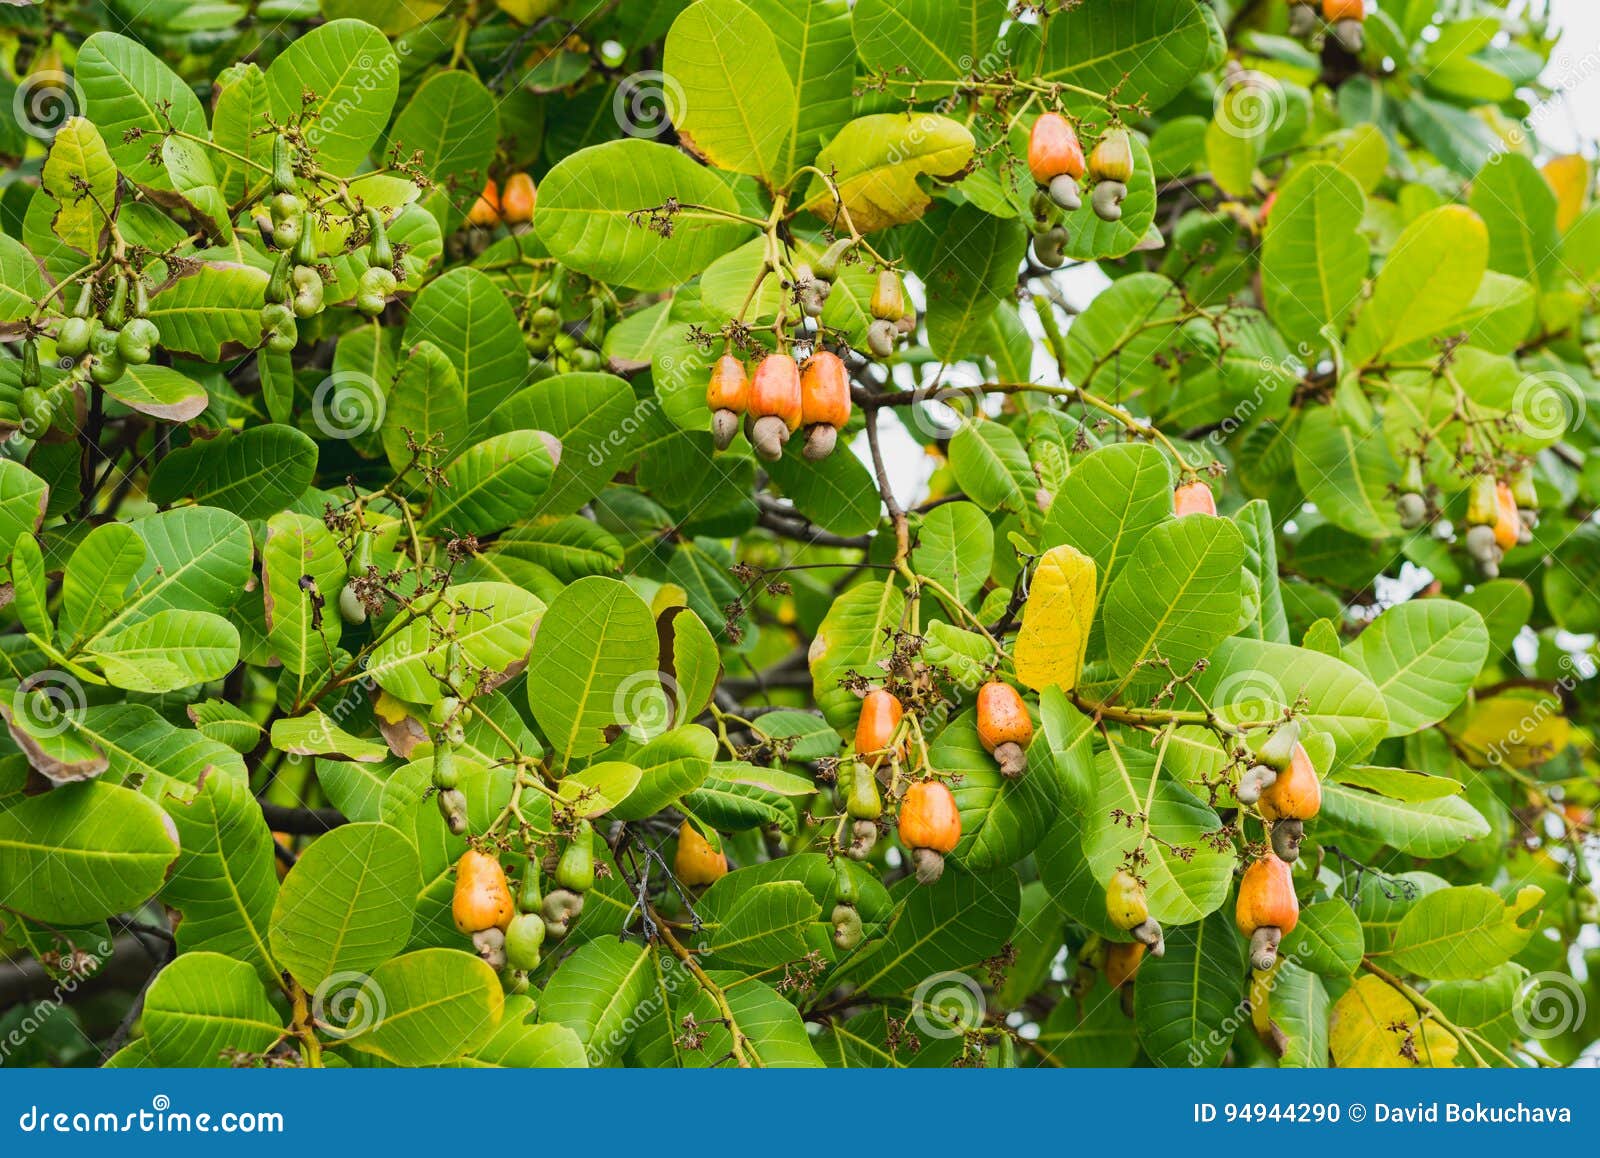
(877,160)
(1374,1027)
(1056,620)
(1516,730)
(1569,177)
(80,175)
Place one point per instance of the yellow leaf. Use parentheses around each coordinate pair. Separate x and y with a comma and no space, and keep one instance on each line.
(390,709)
(877,160)
(1515,729)
(1373,1026)
(81,176)
(1056,620)
(1569,177)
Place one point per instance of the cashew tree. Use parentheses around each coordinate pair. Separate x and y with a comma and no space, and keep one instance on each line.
(795,533)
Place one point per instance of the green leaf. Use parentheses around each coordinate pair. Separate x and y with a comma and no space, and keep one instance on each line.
(1518,208)
(1464,932)
(303,570)
(955,548)
(1327,939)
(1186,1001)
(991,466)
(24,497)
(494,624)
(1178,597)
(1113,344)
(1425,828)
(466,316)
(1089,1031)
(593,416)
(736,117)
(215,308)
(427,1007)
(314,734)
(242,104)
(596,652)
(159,391)
(1002,820)
(196,558)
(1147,52)
(204,1009)
(587,202)
(877,160)
(765,925)
(224,882)
(597,992)
(1424,657)
(973,271)
(168,651)
(128,88)
(852,637)
(97,577)
(1314,258)
(670,765)
(941,928)
(21,280)
(815,45)
(1298,1007)
(81,852)
(492,483)
(427,400)
(928,39)
(454,121)
(354,75)
(252,472)
(837,493)
(1431,274)
(1346,471)
(1254,679)
(1137,806)
(346,904)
